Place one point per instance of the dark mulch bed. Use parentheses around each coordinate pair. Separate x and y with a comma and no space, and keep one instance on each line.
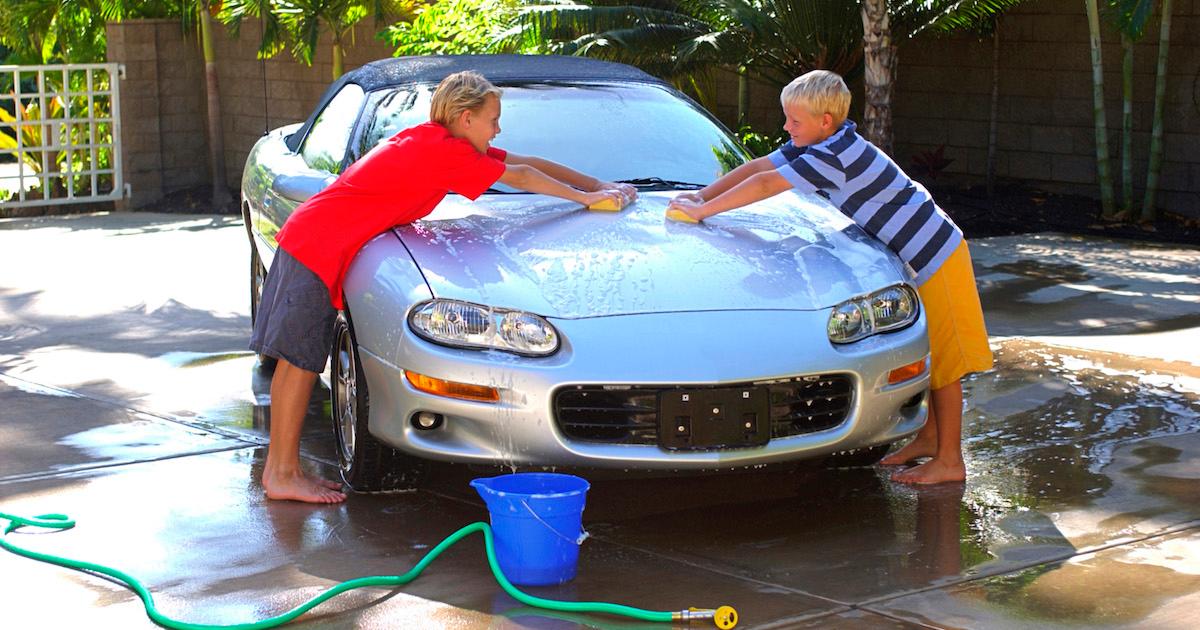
(1019,209)
(195,200)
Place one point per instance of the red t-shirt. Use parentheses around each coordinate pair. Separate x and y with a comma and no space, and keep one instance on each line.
(397,182)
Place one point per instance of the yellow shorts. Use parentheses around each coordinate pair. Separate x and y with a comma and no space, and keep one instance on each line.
(958,341)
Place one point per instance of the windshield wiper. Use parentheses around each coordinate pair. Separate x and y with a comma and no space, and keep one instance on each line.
(649,182)
(497,191)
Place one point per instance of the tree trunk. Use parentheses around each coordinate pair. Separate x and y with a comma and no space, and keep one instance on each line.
(1156,133)
(994,110)
(1101,121)
(879,58)
(1126,128)
(216,142)
(338,59)
(743,102)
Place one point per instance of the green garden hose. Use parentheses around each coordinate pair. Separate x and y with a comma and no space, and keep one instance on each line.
(724,617)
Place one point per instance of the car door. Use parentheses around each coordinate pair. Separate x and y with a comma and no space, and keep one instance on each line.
(318,162)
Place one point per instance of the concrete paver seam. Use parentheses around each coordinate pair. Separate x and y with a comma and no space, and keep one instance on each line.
(693,564)
(194,424)
(1173,529)
(791,622)
(92,468)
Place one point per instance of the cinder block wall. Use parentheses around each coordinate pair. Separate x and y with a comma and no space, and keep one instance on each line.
(164,105)
(162,109)
(1045,132)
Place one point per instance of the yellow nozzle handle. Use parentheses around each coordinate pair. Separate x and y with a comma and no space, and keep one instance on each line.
(724,617)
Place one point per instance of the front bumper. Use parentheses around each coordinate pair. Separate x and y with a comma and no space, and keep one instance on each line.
(695,349)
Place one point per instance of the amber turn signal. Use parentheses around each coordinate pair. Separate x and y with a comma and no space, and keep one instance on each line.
(450,389)
(908,372)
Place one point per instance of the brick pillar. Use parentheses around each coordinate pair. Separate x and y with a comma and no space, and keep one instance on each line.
(133,43)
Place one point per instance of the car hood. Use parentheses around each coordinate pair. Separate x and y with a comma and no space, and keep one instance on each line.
(549,256)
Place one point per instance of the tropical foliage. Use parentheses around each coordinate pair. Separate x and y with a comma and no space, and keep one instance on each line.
(49,31)
(452,27)
(773,40)
(48,137)
(298,24)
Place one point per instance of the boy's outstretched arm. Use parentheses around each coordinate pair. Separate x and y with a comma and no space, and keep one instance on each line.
(569,175)
(729,180)
(756,187)
(529,178)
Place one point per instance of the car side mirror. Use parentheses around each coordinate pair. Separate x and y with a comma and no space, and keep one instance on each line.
(299,188)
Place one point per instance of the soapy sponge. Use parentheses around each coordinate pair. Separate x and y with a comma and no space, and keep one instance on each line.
(679,215)
(609,204)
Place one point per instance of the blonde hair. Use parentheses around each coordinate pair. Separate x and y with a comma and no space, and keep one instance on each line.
(460,92)
(820,92)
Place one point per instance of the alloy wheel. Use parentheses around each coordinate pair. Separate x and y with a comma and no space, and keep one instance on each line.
(346,396)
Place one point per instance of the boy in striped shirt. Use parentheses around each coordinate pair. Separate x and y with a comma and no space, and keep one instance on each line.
(826,156)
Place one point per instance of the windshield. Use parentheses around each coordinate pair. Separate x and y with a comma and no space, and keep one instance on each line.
(614,132)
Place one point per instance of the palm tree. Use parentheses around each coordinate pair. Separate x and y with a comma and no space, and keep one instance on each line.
(216,137)
(879,77)
(44,31)
(774,40)
(299,23)
(54,31)
(1101,120)
(684,40)
(886,23)
(1156,133)
(1129,17)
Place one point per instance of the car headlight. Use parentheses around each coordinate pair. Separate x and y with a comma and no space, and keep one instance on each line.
(892,308)
(475,326)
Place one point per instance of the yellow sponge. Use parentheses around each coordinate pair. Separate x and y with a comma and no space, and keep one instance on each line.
(609,204)
(679,215)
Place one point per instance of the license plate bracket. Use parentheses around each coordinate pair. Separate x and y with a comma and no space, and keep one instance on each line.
(714,418)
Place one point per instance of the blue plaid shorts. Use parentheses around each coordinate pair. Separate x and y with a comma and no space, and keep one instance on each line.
(295,316)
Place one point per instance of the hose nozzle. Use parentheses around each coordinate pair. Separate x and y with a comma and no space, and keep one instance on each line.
(724,617)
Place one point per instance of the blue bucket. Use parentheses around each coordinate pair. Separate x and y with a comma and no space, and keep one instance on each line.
(537,524)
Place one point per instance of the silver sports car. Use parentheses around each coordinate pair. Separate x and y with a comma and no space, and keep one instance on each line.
(526,331)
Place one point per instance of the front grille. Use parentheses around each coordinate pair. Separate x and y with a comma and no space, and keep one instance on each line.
(617,414)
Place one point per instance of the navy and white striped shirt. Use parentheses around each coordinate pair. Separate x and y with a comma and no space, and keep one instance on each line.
(867,186)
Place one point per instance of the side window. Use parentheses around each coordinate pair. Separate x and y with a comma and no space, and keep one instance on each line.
(394,111)
(326,143)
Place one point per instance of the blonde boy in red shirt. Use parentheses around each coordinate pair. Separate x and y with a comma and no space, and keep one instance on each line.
(397,182)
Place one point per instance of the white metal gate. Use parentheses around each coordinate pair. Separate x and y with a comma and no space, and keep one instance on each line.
(60,134)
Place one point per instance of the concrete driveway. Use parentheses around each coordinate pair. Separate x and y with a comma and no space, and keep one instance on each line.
(127,400)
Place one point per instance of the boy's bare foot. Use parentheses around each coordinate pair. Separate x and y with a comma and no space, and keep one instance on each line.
(301,487)
(914,450)
(933,471)
(329,483)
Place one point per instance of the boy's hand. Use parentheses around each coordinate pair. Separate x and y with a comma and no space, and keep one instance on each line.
(615,199)
(684,210)
(693,197)
(628,191)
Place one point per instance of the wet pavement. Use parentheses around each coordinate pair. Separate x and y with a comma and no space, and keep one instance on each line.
(127,401)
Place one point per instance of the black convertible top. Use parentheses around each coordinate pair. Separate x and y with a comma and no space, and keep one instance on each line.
(498,69)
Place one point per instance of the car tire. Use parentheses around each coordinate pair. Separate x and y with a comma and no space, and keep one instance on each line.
(367,465)
(857,458)
(258,275)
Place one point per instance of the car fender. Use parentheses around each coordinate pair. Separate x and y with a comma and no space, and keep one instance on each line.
(383,282)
